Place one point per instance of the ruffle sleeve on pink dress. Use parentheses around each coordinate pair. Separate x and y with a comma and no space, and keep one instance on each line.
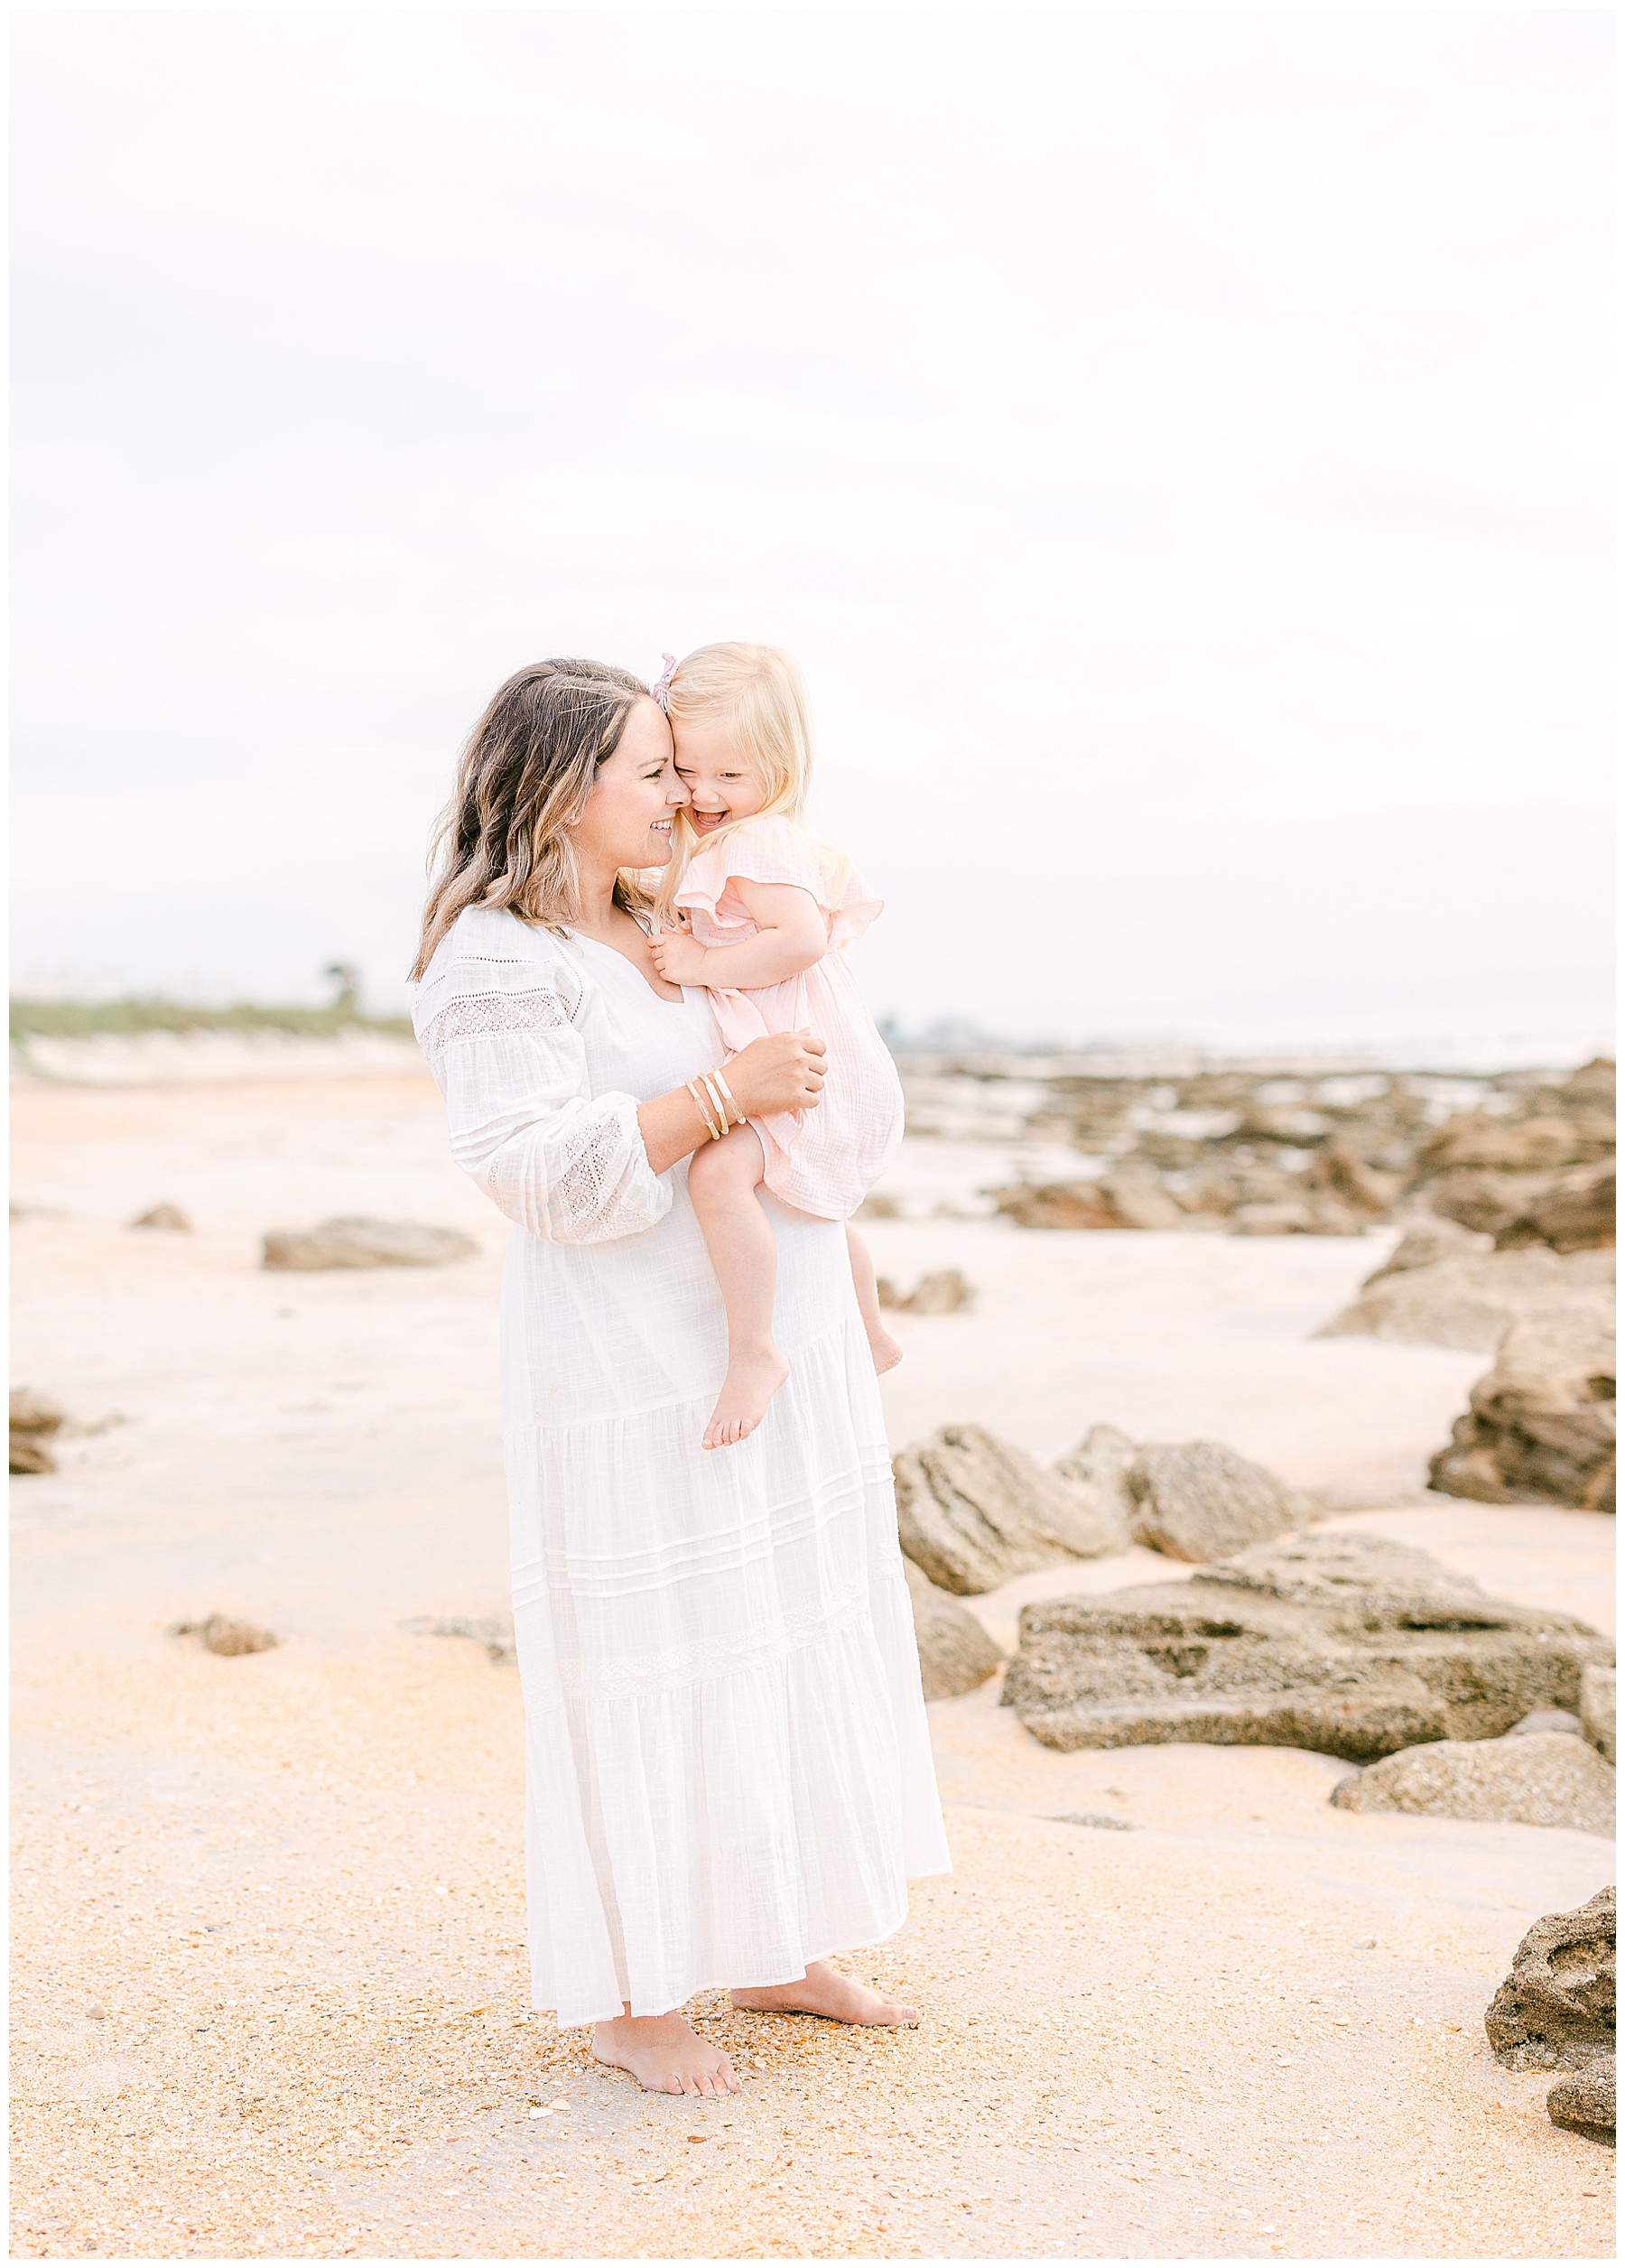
(823,1161)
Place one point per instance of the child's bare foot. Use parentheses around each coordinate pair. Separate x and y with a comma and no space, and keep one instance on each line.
(666,2054)
(885,1351)
(752,1382)
(824,1992)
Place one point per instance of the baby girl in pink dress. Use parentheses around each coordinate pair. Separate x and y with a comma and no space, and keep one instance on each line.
(768,910)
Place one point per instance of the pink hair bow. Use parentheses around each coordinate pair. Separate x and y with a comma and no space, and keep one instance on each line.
(663,683)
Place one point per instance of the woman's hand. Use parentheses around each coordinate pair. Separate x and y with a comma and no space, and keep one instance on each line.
(783,1072)
(678,957)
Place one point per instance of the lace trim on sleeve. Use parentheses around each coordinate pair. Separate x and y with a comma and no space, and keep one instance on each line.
(477,1014)
(598,1191)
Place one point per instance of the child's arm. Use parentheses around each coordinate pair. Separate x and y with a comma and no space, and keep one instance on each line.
(791,935)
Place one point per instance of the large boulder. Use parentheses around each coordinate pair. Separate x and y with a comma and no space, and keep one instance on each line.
(1346,1644)
(1584,2101)
(1554,2010)
(1540,1426)
(1469,1301)
(355,1241)
(973,1511)
(1542,1779)
(1099,1467)
(1485,1203)
(1426,1241)
(956,1654)
(1597,1708)
(1576,1213)
(1505,1145)
(1201,1501)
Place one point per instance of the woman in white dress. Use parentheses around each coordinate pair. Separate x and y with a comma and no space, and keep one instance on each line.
(728,1772)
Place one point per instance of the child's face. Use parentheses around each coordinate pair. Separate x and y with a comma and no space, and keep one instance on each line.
(721,786)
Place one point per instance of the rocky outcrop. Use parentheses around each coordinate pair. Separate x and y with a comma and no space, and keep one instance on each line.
(494,1633)
(1099,1467)
(1540,1779)
(1597,1709)
(355,1241)
(1576,1213)
(1540,1427)
(163,1216)
(1056,1205)
(1554,2010)
(1427,1241)
(1345,1643)
(1201,1501)
(973,1511)
(956,1654)
(1583,2101)
(1471,1301)
(941,1293)
(33,1421)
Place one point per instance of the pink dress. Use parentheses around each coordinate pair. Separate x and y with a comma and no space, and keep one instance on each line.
(823,1161)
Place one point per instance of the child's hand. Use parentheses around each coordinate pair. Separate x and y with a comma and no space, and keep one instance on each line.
(679,958)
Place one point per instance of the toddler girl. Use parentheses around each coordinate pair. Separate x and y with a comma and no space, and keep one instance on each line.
(768,910)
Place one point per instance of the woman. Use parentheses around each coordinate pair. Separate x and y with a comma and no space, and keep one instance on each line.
(727,1773)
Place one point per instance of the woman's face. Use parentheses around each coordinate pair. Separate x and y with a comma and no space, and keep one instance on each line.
(627,822)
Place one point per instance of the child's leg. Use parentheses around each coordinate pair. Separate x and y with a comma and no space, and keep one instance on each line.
(885,1349)
(723,1180)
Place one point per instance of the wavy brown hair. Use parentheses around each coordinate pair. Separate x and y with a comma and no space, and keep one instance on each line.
(525,775)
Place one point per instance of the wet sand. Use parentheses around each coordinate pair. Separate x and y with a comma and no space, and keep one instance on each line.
(1240,2025)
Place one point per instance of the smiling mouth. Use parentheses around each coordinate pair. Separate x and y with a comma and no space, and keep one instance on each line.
(703,821)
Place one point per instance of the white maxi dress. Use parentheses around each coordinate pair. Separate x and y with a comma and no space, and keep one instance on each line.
(727,1769)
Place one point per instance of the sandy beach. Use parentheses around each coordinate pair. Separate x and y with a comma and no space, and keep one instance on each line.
(271,1997)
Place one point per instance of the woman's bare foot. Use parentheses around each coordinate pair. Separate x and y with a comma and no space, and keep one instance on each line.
(752,1382)
(666,2054)
(824,1992)
(885,1351)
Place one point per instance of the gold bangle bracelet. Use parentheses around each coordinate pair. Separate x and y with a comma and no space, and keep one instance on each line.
(708,1079)
(727,1097)
(715,1132)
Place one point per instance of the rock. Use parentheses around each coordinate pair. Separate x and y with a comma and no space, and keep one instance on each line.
(1554,2010)
(1597,1708)
(875,1207)
(1098,1467)
(1311,1215)
(1540,1426)
(34,1419)
(355,1241)
(941,1293)
(1551,1719)
(1199,1499)
(1468,1302)
(1338,1171)
(494,1634)
(1345,1643)
(97,2012)
(1139,1201)
(1056,1204)
(222,1634)
(1484,1201)
(1502,1145)
(1576,1213)
(1426,1241)
(163,1216)
(956,1654)
(1544,1780)
(33,1413)
(1583,2101)
(973,1511)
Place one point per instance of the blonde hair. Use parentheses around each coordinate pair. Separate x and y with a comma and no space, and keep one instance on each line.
(525,774)
(757,693)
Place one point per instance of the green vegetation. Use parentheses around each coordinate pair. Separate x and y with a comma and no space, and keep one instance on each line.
(82,1019)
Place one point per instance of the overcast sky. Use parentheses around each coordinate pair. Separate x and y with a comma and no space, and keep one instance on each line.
(1173,443)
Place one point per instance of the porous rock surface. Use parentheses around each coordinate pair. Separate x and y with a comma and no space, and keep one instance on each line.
(1098,1467)
(1584,2101)
(1540,1779)
(1578,1211)
(355,1242)
(1554,2009)
(1470,1300)
(1201,1501)
(1346,1644)
(1597,1707)
(956,1654)
(1540,1426)
(973,1511)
